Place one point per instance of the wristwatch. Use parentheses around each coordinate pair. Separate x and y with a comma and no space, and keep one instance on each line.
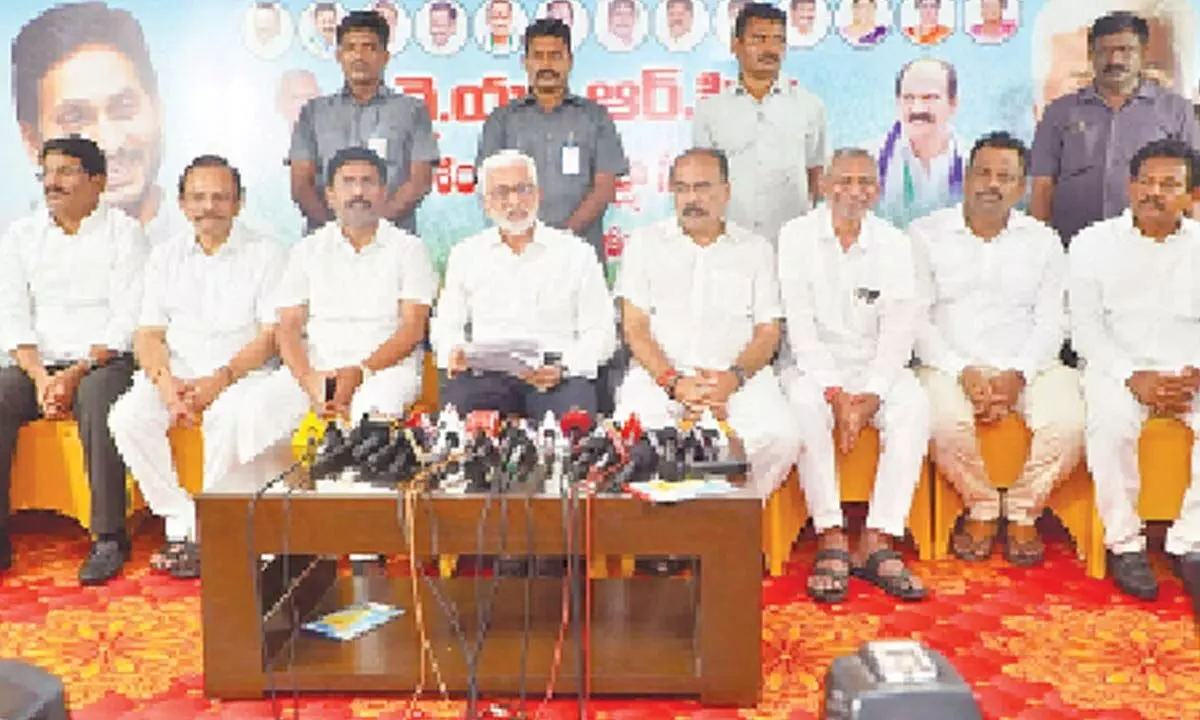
(740,373)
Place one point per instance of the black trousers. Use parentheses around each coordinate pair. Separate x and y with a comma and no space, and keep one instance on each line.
(95,395)
(512,396)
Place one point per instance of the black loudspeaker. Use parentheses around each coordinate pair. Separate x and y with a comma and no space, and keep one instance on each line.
(897,680)
(30,693)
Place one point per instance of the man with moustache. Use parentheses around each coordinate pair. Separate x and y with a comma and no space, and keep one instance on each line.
(506,284)
(1085,139)
(1135,319)
(443,24)
(365,113)
(772,131)
(993,280)
(70,289)
(681,19)
(850,298)
(325,22)
(84,69)
(353,304)
(572,139)
(803,22)
(700,313)
(207,325)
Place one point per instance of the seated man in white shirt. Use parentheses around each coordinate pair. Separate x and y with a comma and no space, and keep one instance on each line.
(525,282)
(1135,320)
(700,313)
(207,326)
(993,280)
(70,286)
(849,294)
(361,288)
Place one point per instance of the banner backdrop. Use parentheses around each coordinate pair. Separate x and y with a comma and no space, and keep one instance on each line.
(230,76)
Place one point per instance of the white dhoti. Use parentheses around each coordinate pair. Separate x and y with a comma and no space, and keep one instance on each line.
(1114,427)
(280,404)
(139,422)
(903,423)
(1052,406)
(758,413)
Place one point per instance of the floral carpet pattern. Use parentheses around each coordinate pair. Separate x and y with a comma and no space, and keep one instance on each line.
(1046,644)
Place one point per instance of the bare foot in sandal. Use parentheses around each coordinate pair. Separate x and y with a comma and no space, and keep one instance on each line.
(1024,546)
(829,581)
(975,539)
(877,563)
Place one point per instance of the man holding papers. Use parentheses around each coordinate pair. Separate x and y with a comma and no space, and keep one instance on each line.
(524,319)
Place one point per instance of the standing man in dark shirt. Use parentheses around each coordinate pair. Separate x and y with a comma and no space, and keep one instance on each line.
(364,113)
(572,139)
(1085,140)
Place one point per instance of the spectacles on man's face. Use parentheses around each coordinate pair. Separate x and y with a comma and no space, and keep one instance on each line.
(60,172)
(500,193)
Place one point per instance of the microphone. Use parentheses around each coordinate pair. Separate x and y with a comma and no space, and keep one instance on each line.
(576,424)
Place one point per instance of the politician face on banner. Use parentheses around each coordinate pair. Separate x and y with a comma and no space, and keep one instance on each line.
(85,69)
(1061,60)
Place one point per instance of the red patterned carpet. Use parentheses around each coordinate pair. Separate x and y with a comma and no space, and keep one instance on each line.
(1036,645)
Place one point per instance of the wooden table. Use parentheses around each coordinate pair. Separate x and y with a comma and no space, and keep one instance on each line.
(673,636)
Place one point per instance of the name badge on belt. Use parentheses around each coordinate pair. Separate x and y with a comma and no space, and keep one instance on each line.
(570,158)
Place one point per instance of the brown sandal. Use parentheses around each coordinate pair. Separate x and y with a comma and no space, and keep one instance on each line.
(1024,547)
(975,540)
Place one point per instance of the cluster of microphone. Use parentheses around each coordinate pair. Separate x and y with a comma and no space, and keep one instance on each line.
(483,452)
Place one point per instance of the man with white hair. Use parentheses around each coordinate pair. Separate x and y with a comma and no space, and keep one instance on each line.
(700,313)
(852,308)
(1061,59)
(1086,138)
(522,281)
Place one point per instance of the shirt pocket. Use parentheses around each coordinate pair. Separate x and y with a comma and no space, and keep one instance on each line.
(1081,147)
(734,138)
(81,281)
(731,297)
(954,274)
(231,299)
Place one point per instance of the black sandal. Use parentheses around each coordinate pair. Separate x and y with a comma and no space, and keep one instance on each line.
(165,558)
(180,559)
(840,588)
(1132,573)
(899,585)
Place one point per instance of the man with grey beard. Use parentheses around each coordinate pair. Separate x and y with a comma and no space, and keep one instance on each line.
(524,282)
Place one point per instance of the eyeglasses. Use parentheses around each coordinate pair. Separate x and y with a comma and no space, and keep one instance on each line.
(499,193)
(65,171)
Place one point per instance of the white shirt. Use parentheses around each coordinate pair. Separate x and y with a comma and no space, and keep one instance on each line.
(354,297)
(997,303)
(703,302)
(909,190)
(851,314)
(552,293)
(66,293)
(1134,302)
(770,145)
(211,305)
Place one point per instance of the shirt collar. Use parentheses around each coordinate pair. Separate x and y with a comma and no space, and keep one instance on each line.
(1187,227)
(569,98)
(731,235)
(383,91)
(333,234)
(1145,90)
(1017,221)
(235,240)
(782,84)
(93,220)
(865,233)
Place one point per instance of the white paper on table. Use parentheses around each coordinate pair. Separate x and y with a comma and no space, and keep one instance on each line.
(514,357)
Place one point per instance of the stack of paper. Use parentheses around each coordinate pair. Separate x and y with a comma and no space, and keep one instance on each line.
(660,491)
(353,621)
(514,357)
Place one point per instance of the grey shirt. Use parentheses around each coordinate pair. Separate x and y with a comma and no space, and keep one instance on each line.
(1085,146)
(548,138)
(395,126)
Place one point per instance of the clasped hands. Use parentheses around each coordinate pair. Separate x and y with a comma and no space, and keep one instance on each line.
(1165,394)
(187,400)
(706,390)
(994,394)
(852,412)
(56,391)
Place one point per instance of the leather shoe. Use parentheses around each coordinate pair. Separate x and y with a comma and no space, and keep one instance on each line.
(104,562)
(5,551)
